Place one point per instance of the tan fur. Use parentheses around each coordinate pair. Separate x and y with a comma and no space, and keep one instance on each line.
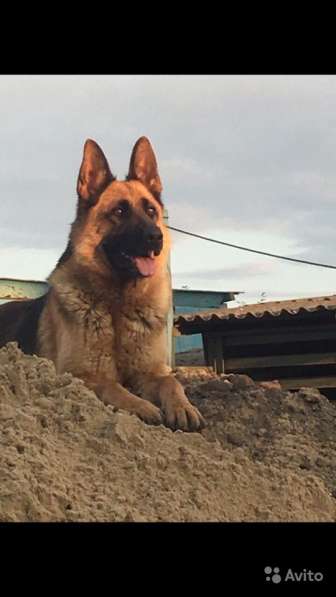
(113,335)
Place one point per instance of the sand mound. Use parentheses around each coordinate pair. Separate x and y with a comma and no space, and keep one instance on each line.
(266,455)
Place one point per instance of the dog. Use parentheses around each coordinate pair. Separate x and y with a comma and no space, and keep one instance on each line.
(104,316)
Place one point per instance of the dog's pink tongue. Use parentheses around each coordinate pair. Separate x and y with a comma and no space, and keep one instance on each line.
(146,265)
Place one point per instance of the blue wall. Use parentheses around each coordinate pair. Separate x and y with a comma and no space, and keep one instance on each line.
(190,301)
(185,343)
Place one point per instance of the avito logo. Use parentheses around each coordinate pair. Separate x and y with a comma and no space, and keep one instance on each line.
(273,575)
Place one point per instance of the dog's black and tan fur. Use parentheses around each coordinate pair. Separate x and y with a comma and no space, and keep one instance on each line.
(104,316)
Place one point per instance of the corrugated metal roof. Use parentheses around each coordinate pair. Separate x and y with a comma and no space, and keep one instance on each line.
(259,310)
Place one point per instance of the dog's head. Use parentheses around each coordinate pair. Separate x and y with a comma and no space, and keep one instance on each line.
(119,227)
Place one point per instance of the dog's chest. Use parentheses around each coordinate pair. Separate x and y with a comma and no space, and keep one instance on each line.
(139,342)
(116,338)
(120,330)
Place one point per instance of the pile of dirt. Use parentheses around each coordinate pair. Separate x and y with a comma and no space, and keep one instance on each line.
(266,455)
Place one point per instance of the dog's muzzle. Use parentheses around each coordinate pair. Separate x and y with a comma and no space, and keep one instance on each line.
(133,253)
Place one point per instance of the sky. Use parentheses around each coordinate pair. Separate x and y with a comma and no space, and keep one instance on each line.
(246,159)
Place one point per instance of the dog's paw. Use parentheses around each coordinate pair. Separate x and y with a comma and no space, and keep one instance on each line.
(149,413)
(181,414)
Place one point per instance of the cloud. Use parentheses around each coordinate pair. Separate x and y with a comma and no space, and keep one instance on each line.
(248,158)
(27,264)
(238,272)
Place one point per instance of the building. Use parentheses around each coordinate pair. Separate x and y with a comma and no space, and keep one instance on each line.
(293,341)
(14,289)
(190,301)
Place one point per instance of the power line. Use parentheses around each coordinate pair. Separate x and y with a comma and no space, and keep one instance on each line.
(220,242)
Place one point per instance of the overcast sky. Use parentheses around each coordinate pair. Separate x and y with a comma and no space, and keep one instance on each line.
(250,160)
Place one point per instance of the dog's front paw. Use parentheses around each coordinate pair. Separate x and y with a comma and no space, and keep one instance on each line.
(149,413)
(181,414)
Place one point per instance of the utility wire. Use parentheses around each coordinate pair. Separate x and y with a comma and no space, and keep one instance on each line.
(219,242)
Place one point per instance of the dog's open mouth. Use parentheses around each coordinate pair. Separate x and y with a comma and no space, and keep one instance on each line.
(128,265)
(144,265)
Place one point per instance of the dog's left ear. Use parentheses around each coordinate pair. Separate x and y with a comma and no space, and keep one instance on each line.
(94,175)
(143,167)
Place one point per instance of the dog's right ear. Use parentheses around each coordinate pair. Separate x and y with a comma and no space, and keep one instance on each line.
(94,175)
(143,167)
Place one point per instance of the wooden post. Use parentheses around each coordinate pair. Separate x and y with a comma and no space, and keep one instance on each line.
(170,318)
(214,352)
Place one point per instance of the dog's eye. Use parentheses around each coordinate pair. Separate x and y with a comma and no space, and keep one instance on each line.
(151,211)
(119,211)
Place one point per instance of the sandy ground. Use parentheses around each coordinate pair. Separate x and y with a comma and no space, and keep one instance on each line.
(266,454)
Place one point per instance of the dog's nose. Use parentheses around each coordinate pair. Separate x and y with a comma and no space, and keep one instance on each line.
(155,235)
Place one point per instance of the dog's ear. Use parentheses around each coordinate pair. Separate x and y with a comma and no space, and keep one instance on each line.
(143,167)
(94,174)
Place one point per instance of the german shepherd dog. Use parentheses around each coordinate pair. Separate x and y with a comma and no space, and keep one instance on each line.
(104,316)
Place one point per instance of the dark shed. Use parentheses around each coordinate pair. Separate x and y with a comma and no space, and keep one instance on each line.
(293,341)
